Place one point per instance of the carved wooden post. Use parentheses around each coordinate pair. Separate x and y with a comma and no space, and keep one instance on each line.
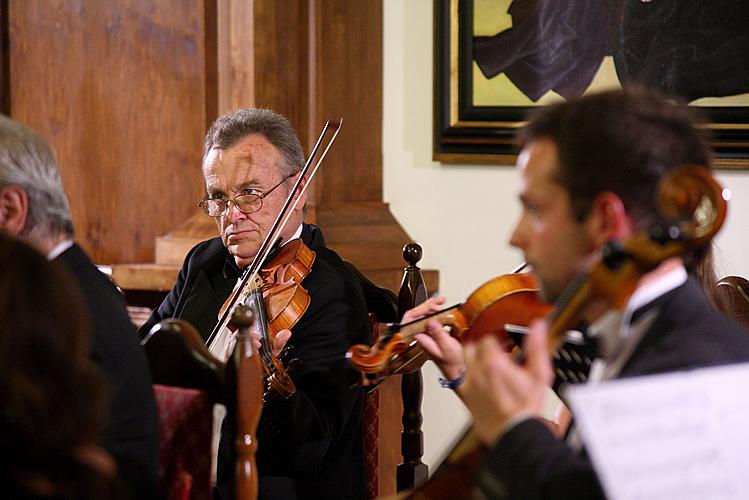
(249,405)
(412,472)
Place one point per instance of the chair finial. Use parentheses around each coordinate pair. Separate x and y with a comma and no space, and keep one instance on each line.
(412,253)
(243,317)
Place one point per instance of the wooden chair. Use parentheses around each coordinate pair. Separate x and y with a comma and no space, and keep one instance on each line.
(188,380)
(412,472)
(393,441)
(732,298)
(380,441)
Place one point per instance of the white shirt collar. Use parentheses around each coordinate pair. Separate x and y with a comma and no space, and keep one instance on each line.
(616,332)
(297,234)
(59,249)
(650,291)
(643,295)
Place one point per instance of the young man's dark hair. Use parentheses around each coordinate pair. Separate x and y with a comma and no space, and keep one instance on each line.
(621,141)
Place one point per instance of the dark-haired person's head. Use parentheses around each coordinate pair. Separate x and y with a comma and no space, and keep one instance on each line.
(589,173)
(51,395)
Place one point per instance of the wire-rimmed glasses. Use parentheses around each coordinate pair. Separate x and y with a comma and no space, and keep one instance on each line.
(245,203)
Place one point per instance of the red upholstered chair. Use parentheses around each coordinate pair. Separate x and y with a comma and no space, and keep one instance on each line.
(382,409)
(185,417)
(393,441)
(187,382)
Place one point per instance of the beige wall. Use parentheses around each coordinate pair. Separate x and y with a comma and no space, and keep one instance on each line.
(463,214)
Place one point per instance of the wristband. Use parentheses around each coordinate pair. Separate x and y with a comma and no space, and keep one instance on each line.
(454,383)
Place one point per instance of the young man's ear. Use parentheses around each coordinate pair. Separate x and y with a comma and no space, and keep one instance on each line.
(14,209)
(608,220)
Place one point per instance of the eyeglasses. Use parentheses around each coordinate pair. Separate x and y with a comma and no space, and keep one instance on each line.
(245,203)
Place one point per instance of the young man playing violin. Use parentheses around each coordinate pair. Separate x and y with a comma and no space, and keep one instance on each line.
(309,443)
(589,171)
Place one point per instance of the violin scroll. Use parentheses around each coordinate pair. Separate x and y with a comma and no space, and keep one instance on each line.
(694,202)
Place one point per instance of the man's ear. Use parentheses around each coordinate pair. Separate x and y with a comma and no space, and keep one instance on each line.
(14,209)
(608,220)
(303,198)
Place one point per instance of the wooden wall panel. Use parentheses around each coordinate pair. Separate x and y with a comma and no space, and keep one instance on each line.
(119,88)
(349,84)
(236,62)
(4,60)
(281,60)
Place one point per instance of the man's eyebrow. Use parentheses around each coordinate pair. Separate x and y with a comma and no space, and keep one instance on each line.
(251,184)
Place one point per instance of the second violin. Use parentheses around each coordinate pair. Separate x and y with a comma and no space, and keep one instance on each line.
(505,301)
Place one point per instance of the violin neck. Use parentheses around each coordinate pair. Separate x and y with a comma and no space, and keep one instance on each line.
(567,309)
(448,317)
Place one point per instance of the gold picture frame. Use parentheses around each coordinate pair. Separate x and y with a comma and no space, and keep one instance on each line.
(475,124)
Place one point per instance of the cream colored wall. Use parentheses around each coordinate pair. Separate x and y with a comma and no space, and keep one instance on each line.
(463,214)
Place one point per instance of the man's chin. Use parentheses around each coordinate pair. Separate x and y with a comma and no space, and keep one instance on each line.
(545,292)
(242,256)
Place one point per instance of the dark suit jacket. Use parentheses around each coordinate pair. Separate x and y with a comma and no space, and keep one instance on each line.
(132,431)
(310,445)
(529,463)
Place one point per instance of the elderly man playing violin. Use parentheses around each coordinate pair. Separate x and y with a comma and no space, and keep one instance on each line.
(310,442)
(588,173)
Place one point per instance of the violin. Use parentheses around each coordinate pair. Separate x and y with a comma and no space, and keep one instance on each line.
(279,301)
(274,290)
(500,304)
(694,204)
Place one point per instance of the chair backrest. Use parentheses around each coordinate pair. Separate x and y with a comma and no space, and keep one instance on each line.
(381,429)
(732,298)
(412,471)
(392,411)
(185,417)
(188,380)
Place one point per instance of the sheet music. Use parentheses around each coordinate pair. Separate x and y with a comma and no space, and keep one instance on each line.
(679,436)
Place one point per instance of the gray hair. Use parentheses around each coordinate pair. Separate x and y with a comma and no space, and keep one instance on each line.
(28,162)
(232,127)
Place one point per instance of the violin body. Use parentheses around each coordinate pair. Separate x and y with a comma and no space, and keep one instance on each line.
(278,300)
(284,297)
(283,302)
(507,299)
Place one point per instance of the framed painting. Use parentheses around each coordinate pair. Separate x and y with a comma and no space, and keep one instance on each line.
(495,60)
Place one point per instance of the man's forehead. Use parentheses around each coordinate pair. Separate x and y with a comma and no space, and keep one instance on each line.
(253,152)
(540,155)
